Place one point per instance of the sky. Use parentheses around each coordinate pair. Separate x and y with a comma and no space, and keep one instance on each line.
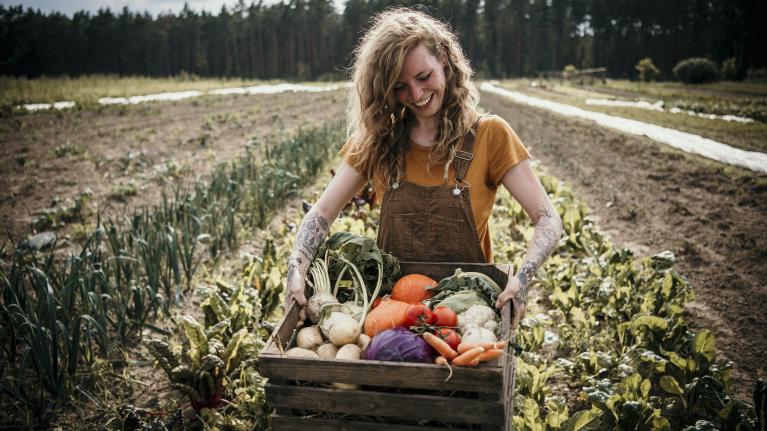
(154,7)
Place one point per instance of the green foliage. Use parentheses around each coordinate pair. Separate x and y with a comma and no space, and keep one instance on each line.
(647,70)
(730,69)
(696,71)
(621,336)
(68,211)
(461,282)
(322,40)
(138,419)
(755,108)
(756,74)
(217,366)
(379,270)
(760,404)
(569,71)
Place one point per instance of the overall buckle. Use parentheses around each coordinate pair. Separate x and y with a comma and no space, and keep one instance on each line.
(464,155)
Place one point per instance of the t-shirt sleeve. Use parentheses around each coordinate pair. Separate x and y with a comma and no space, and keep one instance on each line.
(505,149)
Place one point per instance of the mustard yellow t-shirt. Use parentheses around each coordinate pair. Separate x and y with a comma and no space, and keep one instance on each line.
(496,149)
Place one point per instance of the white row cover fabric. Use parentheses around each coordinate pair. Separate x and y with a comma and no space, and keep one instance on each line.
(658,106)
(180,95)
(688,142)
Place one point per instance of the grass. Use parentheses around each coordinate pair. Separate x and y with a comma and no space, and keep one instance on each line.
(751,136)
(88,89)
(686,91)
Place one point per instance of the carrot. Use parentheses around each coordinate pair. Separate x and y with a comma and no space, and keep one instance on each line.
(442,361)
(465,358)
(489,355)
(440,346)
(463,347)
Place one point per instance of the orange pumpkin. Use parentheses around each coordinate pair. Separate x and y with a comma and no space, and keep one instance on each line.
(388,314)
(412,289)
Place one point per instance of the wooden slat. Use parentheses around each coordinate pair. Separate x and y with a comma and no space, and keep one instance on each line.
(280,337)
(509,379)
(406,406)
(292,423)
(379,373)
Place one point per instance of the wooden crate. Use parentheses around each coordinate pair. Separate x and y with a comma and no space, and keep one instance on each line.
(392,395)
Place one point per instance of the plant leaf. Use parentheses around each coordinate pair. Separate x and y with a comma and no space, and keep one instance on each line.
(670,385)
(197,339)
(585,420)
(705,344)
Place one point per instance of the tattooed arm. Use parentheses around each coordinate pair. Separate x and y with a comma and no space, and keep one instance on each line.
(527,190)
(314,229)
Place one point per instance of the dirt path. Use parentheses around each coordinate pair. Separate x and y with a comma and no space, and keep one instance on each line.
(650,197)
(127,155)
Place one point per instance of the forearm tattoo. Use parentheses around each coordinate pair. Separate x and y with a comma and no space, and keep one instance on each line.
(548,229)
(313,230)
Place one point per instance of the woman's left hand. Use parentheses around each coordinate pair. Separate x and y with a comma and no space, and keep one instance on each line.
(512,292)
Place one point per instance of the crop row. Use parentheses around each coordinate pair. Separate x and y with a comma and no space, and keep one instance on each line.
(61,314)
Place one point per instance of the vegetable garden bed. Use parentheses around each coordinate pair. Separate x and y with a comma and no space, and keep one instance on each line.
(391,393)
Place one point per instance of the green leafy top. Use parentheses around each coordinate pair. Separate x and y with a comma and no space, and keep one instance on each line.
(462,281)
(376,267)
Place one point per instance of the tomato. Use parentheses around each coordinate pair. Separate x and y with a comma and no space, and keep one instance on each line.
(445,316)
(418,314)
(451,337)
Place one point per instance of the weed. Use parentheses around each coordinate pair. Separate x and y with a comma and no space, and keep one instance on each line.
(68,149)
(122,191)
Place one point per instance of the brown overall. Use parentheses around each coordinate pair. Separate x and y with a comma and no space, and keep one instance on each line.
(432,223)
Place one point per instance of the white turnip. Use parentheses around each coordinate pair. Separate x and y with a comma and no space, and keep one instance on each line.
(309,338)
(327,351)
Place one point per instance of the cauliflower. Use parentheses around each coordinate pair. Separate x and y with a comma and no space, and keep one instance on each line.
(478,335)
(478,316)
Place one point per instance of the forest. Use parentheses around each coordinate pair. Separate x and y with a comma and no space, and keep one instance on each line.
(310,39)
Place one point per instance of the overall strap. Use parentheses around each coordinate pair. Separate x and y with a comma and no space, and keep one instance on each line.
(464,156)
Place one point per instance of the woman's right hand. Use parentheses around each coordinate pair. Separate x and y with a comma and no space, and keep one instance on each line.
(295,293)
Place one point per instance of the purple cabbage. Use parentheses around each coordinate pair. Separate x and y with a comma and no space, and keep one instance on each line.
(399,345)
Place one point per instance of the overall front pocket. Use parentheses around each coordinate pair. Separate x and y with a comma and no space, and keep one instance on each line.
(407,238)
(444,237)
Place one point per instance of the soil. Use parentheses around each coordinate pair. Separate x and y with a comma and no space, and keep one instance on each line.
(128,155)
(650,197)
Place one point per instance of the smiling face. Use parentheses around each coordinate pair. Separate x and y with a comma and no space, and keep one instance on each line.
(421,85)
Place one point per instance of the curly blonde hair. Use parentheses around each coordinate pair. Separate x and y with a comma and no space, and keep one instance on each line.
(379,125)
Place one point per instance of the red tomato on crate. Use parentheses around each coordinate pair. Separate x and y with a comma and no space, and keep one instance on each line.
(418,314)
(451,337)
(445,316)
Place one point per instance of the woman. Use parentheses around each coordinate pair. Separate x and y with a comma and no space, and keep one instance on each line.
(415,131)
